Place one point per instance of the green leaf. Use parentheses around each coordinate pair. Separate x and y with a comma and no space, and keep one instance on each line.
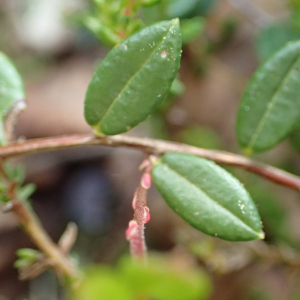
(270,106)
(160,279)
(28,253)
(26,191)
(11,90)
(22,263)
(17,173)
(133,79)
(207,197)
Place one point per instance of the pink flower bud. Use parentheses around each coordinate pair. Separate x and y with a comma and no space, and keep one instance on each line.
(146,216)
(146,181)
(131,230)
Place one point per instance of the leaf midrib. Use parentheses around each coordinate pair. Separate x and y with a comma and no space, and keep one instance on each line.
(133,76)
(212,200)
(271,105)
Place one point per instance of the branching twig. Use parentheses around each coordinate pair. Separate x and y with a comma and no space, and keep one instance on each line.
(152,146)
(39,236)
(31,225)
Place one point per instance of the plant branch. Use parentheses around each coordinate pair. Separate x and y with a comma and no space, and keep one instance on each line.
(54,255)
(152,146)
(31,225)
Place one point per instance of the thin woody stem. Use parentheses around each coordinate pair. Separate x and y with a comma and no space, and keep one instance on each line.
(152,146)
(32,226)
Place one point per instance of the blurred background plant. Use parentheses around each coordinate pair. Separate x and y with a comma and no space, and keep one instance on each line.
(56,45)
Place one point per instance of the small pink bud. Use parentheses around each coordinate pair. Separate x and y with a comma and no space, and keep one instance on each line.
(134,201)
(131,230)
(146,216)
(146,181)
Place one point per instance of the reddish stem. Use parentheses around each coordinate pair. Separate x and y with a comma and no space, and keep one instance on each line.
(135,231)
(152,146)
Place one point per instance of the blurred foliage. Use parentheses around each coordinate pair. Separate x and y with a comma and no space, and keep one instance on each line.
(189,8)
(295,138)
(258,294)
(295,14)
(273,213)
(159,279)
(111,20)
(200,136)
(26,257)
(191,29)
(273,37)
(16,175)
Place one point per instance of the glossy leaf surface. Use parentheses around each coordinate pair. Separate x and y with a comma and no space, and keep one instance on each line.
(270,106)
(134,78)
(207,197)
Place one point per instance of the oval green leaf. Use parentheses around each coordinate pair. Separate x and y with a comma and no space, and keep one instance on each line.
(133,79)
(270,106)
(207,197)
